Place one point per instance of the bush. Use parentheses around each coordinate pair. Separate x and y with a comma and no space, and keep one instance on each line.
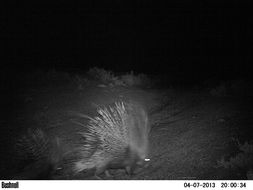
(232,88)
(101,75)
(135,80)
(80,81)
(108,78)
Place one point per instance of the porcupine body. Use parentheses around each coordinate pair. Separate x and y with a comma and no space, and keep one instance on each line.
(37,154)
(116,139)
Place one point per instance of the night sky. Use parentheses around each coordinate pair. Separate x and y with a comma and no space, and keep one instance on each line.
(179,37)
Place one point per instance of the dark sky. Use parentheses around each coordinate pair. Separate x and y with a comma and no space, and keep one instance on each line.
(182,36)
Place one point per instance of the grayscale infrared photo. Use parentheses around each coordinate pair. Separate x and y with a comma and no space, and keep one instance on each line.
(126,90)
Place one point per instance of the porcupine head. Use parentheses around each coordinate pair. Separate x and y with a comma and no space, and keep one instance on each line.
(134,156)
(138,125)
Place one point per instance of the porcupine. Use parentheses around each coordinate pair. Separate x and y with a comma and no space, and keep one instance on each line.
(38,155)
(116,139)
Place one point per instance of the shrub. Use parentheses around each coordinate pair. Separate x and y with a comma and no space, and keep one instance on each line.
(101,75)
(135,80)
(80,81)
(232,88)
(108,78)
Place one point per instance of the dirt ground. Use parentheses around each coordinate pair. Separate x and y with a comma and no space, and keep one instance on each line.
(191,129)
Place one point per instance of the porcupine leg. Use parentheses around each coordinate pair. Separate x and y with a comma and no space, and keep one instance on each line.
(129,170)
(97,173)
(107,173)
(97,177)
(100,171)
